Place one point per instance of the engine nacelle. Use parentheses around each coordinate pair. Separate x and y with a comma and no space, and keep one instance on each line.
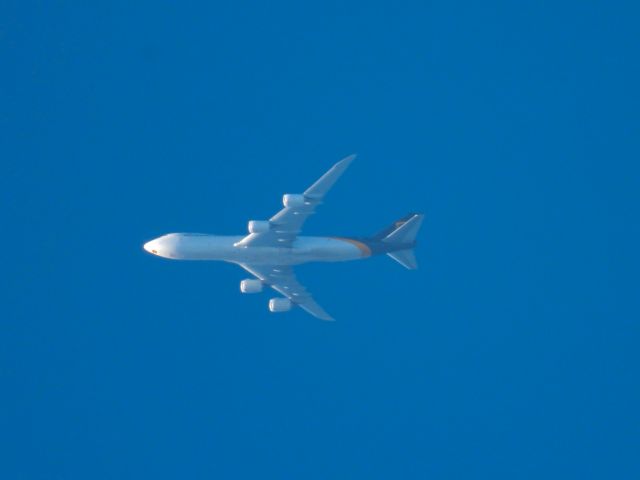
(279,305)
(251,286)
(292,200)
(259,226)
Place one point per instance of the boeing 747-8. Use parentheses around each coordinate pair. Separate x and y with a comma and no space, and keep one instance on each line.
(272,247)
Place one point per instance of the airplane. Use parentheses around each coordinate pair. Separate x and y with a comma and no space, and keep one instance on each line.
(273,247)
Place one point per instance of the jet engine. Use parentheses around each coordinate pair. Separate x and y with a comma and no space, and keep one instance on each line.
(292,200)
(259,226)
(251,286)
(279,304)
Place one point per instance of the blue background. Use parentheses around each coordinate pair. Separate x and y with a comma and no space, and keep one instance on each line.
(511,353)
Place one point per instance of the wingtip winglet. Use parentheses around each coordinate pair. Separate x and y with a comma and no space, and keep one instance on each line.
(324,183)
(347,160)
(316,310)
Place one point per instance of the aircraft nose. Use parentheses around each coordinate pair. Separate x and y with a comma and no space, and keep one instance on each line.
(151,247)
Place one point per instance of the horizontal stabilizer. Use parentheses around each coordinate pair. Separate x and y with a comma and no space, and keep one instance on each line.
(406,258)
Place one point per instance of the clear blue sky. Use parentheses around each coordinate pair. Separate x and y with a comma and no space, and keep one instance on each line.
(511,353)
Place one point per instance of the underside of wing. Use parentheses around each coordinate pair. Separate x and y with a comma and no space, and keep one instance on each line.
(284,226)
(283,280)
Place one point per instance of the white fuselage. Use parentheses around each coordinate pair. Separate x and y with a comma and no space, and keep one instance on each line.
(190,246)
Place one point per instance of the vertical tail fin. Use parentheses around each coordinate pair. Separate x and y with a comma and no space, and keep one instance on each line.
(393,227)
(402,233)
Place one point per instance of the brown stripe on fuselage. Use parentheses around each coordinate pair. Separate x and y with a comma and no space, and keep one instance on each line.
(366,251)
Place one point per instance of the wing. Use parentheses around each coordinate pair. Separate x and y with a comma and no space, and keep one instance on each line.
(283,280)
(287,223)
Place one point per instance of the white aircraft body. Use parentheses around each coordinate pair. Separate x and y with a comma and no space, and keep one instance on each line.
(273,246)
